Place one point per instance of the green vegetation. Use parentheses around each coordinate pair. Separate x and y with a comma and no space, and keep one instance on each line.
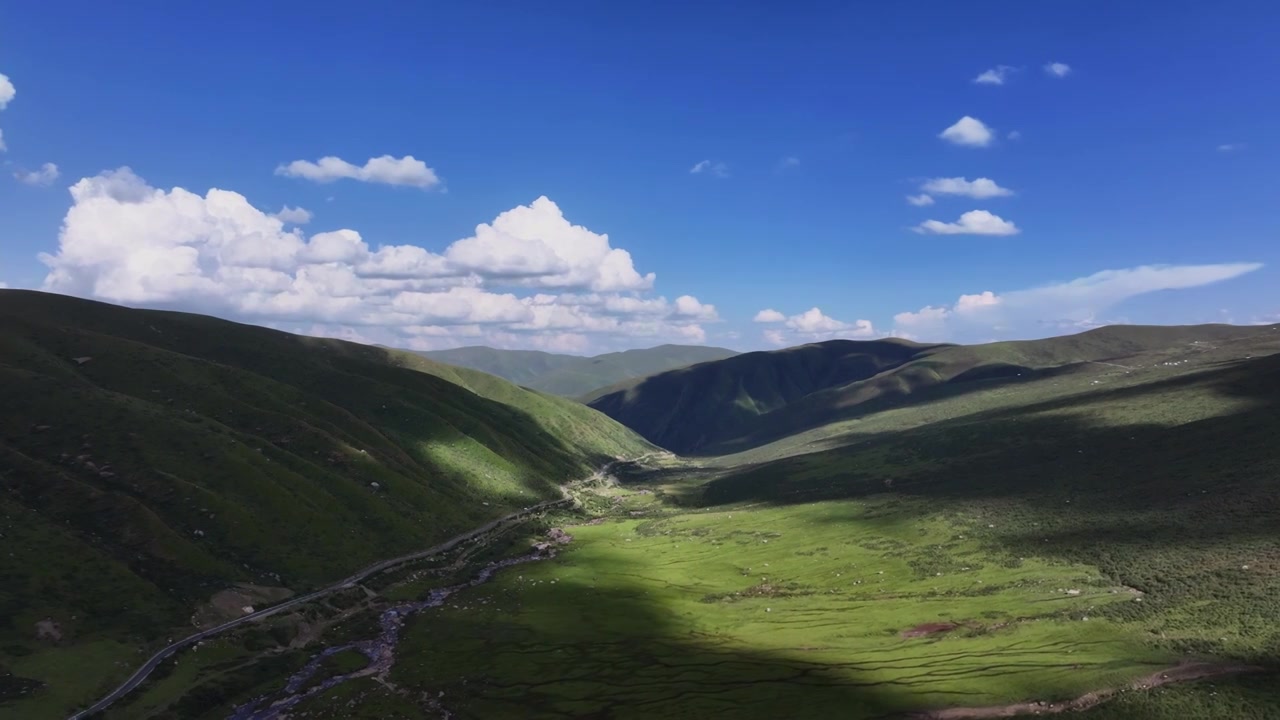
(900,527)
(1148,485)
(151,459)
(753,399)
(574,375)
(767,610)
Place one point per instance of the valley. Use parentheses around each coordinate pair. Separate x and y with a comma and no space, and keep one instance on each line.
(1095,536)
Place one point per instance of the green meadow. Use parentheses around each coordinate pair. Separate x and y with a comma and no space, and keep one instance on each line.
(761,611)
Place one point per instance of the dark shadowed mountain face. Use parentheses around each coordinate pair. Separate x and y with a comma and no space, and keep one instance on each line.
(573,375)
(711,404)
(748,400)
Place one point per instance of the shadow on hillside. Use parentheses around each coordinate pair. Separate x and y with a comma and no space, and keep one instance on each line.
(611,650)
(822,408)
(894,390)
(1208,481)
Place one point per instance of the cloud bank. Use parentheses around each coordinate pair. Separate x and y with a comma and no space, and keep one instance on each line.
(527,278)
(1056,308)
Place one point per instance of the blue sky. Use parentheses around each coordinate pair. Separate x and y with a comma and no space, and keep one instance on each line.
(1140,174)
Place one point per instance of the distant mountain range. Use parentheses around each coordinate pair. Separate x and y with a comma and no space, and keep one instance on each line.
(754,398)
(574,375)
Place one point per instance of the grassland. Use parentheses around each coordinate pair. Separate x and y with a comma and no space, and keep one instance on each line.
(1005,538)
(149,460)
(751,585)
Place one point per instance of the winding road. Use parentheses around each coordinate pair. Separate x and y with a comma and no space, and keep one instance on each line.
(150,665)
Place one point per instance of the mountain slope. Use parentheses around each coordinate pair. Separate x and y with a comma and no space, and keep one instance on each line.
(150,459)
(711,403)
(752,399)
(572,375)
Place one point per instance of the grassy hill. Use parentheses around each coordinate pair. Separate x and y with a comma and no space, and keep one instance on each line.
(1023,542)
(756,398)
(149,460)
(572,375)
(1043,534)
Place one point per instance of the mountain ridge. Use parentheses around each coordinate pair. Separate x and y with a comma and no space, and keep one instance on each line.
(575,375)
(726,406)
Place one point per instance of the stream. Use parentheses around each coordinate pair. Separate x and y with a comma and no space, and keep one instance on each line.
(380,650)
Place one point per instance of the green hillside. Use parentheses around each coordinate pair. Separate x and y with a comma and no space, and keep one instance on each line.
(149,460)
(1018,545)
(572,375)
(756,398)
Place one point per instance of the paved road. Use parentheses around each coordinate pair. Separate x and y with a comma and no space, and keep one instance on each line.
(143,672)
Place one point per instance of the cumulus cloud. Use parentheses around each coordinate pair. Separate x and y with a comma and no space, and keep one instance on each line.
(385,169)
(980,189)
(1058,307)
(995,76)
(1057,69)
(7,91)
(922,200)
(43,177)
(707,167)
(293,216)
(968,131)
(974,222)
(527,275)
(812,325)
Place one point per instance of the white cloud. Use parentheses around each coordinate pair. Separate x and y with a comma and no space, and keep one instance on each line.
(689,306)
(530,278)
(979,189)
(294,215)
(969,131)
(3,147)
(1230,147)
(974,222)
(715,169)
(43,177)
(1057,69)
(811,325)
(1014,135)
(1059,307)
(995,76)
(921,200)
(384,169)
(789,161)
(7,91)
(3,285)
